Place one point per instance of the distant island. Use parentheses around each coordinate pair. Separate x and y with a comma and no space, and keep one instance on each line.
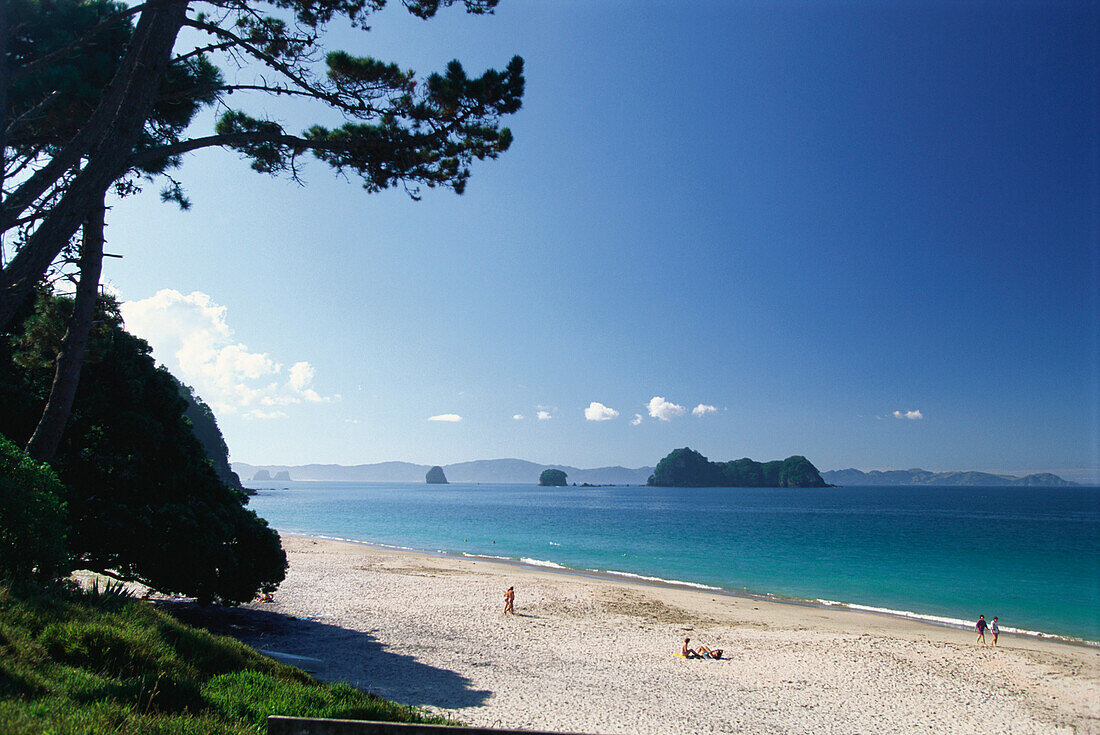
(523,472)
(265,476)
(926,477)
(688,468)
(435,476)
(504,471)
(553,478)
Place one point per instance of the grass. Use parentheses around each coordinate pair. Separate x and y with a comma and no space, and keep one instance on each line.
(102,663)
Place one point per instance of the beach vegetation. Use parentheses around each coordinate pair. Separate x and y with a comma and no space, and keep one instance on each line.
(99,662)
(144,501)
(33,520)
(553,478)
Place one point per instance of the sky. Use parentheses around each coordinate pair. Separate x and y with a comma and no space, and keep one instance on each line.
(866,232)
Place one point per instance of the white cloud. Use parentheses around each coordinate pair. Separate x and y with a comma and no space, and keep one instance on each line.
(598,412)
(636,420)
(259,414)
(189,335)
(911,415)
(664,410)
(543,415)
(703,409)
(451,417)
(517,416)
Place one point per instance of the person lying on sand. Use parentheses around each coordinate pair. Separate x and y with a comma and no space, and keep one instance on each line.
(688,652)
(705,652)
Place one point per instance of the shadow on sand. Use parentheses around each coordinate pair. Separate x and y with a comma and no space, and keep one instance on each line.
(343,655)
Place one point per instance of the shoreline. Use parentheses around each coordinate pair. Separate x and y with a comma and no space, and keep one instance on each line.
(596,654)
(643,580)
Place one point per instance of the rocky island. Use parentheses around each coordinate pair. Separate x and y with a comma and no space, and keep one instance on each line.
(435,476)
(552,478)
(688,468)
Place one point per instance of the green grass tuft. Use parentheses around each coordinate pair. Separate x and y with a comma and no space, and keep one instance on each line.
(101,663)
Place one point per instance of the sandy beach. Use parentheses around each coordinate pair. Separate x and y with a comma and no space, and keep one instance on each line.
(597,656)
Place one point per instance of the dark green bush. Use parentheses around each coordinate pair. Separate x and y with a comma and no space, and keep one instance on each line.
(32,520)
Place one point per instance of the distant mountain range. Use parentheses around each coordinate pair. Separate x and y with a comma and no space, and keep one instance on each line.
(512,471)
(925,477)
(519,472)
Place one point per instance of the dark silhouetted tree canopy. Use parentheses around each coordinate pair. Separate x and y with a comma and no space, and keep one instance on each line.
(32,520)
(92,93)
(145,503)
(552,478)
(688,468)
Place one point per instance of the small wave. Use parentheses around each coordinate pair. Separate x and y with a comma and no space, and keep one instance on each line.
(554,543)
(541,563)
(661,580)
(943,620)
(487,556)
(374,544)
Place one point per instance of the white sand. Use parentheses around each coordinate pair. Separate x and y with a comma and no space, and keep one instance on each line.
(596,656)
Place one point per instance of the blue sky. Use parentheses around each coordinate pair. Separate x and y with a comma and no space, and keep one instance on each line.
(866,232)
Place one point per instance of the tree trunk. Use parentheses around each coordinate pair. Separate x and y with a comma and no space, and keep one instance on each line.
(107,142)
(43,443)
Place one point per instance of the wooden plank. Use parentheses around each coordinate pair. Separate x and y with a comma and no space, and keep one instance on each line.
(278,725)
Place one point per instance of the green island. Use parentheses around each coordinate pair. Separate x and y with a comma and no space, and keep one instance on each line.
(553,478)
(688,468)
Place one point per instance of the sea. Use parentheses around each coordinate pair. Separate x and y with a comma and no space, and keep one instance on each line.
(1030,556)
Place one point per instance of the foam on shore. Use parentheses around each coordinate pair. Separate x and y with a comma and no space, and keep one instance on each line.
(927,618)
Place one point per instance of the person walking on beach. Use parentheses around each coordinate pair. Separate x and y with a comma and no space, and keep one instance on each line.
(980,627)
(510,601)
(995,630)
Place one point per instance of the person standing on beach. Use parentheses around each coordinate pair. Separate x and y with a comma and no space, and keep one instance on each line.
(980,627)
(510,601)
(994,629)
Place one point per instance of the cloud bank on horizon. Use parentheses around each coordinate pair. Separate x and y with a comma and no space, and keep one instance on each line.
(189,334)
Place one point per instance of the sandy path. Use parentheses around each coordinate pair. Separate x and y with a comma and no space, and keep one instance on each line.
(589,655)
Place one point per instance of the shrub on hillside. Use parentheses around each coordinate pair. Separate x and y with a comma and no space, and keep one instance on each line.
(32,519)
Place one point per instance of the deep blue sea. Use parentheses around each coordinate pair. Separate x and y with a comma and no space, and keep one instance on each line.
(1028,555)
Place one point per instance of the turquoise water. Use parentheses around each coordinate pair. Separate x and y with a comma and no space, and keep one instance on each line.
(1030,556)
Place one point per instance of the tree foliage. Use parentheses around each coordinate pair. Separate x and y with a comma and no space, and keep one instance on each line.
(32,519)
(145,503)
(688,468)
(91,98)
